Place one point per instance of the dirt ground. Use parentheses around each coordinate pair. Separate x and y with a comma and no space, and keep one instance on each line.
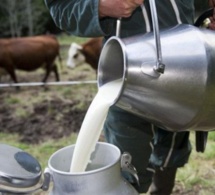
(41,124)
(52,116)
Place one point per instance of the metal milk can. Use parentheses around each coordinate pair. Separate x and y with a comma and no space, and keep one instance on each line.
(20,173)
(102,176)
(167,76)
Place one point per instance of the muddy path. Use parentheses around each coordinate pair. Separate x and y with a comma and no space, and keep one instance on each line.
(38,114)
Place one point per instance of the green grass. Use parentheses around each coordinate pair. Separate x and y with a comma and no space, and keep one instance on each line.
(12,100)
(212,136)
(66,39)
(41,152)
(199,171)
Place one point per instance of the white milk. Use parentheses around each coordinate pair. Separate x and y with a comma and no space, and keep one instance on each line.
(92,125)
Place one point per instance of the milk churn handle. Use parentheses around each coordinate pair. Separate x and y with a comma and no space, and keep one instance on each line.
(118,27)
(47,179)
(128,167)
(159,65)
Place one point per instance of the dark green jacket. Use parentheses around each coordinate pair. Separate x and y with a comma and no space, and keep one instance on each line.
(80,17)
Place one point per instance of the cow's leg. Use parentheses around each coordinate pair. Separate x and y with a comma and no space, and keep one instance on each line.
(51,67)
(47,72)
(12,74)
(55,70)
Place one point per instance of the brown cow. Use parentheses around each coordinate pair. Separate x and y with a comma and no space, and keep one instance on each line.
(88,52)
(28,54)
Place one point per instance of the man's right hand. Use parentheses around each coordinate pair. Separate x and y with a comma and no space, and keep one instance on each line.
(118,8)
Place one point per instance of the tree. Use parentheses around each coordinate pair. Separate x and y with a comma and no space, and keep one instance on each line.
(23,17)
(30,17)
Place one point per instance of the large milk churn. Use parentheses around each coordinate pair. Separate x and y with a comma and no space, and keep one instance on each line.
(167,77)
(103,175)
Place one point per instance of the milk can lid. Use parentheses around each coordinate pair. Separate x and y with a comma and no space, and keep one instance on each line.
(17,168)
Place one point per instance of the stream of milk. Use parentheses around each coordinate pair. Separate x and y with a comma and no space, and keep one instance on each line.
(92,125)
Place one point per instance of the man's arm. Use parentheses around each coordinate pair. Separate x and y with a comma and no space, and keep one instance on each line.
(79,17)
(89,18)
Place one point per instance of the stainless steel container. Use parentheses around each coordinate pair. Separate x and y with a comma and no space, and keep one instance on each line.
(167,77)
(103,176)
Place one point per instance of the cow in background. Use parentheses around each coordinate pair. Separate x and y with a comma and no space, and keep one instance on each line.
(88,52)
(29,54)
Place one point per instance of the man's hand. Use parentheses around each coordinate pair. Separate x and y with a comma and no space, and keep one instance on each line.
(212,19)
(118,8)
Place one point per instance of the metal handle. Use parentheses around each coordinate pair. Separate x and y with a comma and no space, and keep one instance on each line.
(126,166)
(159,65)
(47,179)
(118,27)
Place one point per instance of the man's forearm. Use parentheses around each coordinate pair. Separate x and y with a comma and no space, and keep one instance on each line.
(79,17)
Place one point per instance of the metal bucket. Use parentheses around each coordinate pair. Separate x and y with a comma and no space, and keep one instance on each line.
(103,175)
(168,77)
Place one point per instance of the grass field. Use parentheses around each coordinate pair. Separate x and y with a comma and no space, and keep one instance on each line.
(197,177)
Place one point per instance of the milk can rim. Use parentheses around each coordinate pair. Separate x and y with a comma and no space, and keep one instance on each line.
(123,47)
(52,169)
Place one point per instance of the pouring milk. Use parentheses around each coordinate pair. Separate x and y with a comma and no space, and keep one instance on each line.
(92,125)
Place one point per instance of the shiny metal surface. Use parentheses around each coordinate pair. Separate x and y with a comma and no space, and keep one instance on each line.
(18,169)
(183,98)
(103,175)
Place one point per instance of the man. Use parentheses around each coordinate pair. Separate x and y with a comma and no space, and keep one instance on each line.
(155,162)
